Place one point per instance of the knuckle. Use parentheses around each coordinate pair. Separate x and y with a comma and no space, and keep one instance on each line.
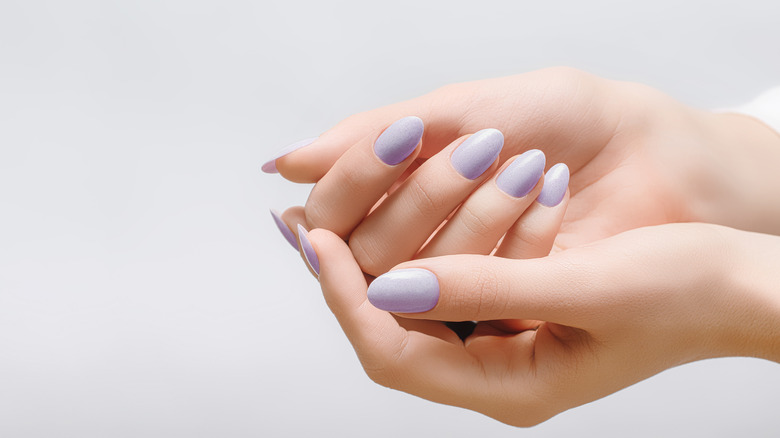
(529,418)
(565,86)
(426,200)
(523,235)
(486,297)
(477,222)
(367,255)
(379,375)
(527,409)
(384,366)
(449,89)
(521,410)
(315,214)
(351,179)
(361,120)
(324,208)
(566,74)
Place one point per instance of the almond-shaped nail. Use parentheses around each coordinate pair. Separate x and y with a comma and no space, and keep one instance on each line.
(475,155)
(405,291)
(556,181)
(399,140)
(308,251)
(286,232)
(270,165)
(521,176)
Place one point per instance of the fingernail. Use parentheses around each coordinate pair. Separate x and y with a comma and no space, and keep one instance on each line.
(286,232)
(270,165)
(475,155)
(556,180)
(405,291)
(521,176)
(399,140)
(308,250)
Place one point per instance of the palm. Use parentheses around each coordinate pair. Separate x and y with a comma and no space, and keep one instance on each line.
(621,199)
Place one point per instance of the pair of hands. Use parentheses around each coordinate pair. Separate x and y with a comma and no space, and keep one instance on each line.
(610,306)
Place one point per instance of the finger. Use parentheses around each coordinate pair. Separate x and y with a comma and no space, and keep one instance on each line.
(558,288)
(551,108)
(413,361)
(399,226)
(288,224)
(533,234)
(490,211)
(310,163)
(343,197)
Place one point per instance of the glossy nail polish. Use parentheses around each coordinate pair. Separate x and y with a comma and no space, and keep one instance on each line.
(286,232)
(475,155)
(556,180)
(521,176)
(270,165)
(308,250)
(399,140)
(405,291)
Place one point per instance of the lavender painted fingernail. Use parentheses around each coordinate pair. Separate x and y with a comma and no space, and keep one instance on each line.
(475,155)
(399,140)
(308,250)
(405,291)
(270,165)
(286,232)
(556,180)
(521,176)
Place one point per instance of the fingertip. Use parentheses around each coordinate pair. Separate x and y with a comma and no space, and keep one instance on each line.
(412,290)
(285,229)
(308,251)
(523,174)
(336,263)
(556,185)
(307,165)
(270,166)
(326,240)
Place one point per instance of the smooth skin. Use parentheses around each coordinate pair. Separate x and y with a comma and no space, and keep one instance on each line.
(637,157)
(518,227)
(682,292)
(702,291)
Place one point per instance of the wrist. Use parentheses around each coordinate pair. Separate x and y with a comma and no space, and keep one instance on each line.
(740,184)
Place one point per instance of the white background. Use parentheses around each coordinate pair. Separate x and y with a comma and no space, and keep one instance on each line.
(144,290)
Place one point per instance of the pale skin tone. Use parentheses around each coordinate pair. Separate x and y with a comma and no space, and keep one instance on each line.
(617,278)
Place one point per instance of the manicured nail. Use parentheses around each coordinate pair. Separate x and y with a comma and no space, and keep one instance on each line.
(521,176)
(270,165)
(286,232)
(399,140)
(556,180)
(308,250)
(405,291)
(475,155)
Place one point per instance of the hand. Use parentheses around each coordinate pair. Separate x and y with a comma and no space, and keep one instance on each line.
(478,210)
(637,157)
(609,314)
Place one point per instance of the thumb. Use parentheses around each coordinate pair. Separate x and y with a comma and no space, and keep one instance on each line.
(483,288)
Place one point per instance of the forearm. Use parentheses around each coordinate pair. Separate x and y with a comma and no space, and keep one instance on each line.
(749,320)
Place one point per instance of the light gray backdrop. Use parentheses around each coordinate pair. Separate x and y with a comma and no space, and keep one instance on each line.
(144,290)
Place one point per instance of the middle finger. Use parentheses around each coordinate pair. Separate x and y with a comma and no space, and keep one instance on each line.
(401,224)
